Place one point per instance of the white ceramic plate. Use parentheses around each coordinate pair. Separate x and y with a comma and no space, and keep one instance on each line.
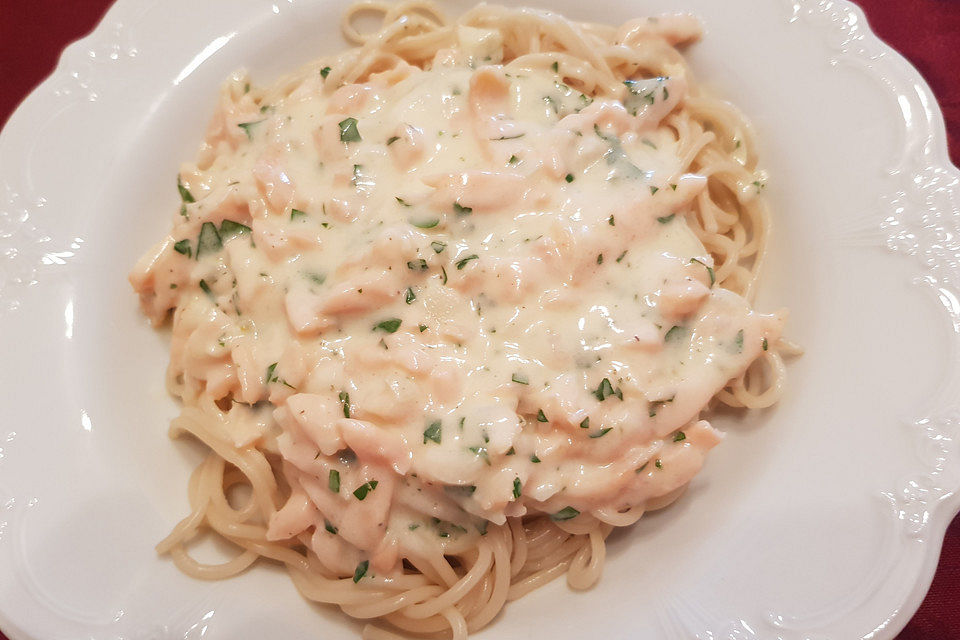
(822,518)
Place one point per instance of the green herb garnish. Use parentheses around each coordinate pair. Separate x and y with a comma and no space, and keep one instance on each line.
(183,246)
(206,290)
(229,229)
(361,492)
(248,128)
(185,194)
(605,390)
(418,265)
(674,333)
(433,432)
(541,416)
(390,325)
(666,219)
(567,513)
(349,131)
(333,481)
(713,277)
(361,570)
(462,263)
(209,240)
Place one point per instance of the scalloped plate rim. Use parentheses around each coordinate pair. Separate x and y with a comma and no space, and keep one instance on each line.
(947,508)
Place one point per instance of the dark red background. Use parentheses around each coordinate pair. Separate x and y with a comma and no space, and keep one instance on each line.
(927,32)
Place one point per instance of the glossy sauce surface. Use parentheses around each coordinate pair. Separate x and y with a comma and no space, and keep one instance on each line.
(448,297)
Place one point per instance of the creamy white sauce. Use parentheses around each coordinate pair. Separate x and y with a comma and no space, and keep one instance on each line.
(475,265)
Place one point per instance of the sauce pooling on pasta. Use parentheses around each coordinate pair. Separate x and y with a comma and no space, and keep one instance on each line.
(447,297)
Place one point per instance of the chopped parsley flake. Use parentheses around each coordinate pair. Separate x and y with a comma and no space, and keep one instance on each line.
(209,240)
(248,128)
(462,263)
(390,325)
(183,246)
(713,276)
(361,570)
(438,246)
(461,210)
(230,229)
(601,433)
(361,492)
(296,214)
(665,219)
(765,345)
(516,488)
(569,177)
(325,72)
(567,513)
(410,296)
(206,290)
(585,423)
(433,432)
(605,390)
(349,131)
(541,416)
(674,333)
(329,527)
(680,436)
(333,481)
(185,194)
(520,378)
(418,265)
(345,401)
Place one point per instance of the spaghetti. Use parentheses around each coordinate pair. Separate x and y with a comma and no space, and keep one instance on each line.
(430,301)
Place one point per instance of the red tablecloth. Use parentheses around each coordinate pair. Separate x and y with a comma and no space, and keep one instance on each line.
(927,32)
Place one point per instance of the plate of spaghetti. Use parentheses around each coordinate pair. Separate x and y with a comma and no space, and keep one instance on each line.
(443,308)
